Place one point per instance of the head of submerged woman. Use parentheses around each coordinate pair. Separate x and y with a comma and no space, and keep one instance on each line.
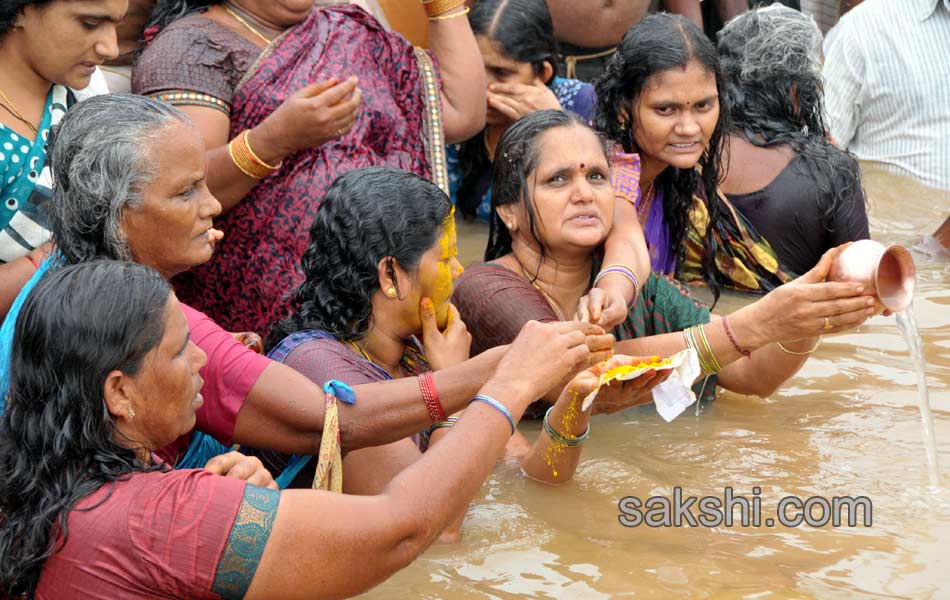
(63,41)
(382,240)
(660,95)
(129,184)
(517,43)
(102,373)
(551,188)
(771,67)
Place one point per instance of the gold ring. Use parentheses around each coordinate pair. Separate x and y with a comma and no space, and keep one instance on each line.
(339,132)
(828,324)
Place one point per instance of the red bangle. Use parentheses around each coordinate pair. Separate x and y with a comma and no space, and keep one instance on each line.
(36,265)
(431,397)
(732,338)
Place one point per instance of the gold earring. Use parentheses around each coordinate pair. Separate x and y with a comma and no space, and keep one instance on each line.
(131,413)
(391,292)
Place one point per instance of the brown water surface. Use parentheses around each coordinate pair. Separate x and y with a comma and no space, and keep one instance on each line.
(846,425)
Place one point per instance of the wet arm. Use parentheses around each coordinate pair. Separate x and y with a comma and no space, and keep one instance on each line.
(332,545)
(463,77)
(759,375)
(284,410)
(625,246)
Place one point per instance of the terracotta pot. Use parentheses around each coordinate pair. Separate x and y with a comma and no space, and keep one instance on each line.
(888,273)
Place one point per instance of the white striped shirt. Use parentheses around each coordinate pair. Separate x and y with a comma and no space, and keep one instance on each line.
(887,86)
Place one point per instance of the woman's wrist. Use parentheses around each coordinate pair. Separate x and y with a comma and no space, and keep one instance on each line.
(267,145)
(566,416)
(746,329)
(509,393)
(616,284)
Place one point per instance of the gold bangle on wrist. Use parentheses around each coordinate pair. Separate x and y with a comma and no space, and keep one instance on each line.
(792,352)
(435,8)
(460,13)
(247,161)
(247,143)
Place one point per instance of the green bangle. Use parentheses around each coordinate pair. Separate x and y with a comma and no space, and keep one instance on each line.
(713,361)
(560,439)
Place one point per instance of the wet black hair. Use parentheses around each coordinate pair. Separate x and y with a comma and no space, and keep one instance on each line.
(57,438)
(658,43)
(771,66)
(368,215)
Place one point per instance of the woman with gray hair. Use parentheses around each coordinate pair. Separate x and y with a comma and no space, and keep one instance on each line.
(783,173)
(130,185)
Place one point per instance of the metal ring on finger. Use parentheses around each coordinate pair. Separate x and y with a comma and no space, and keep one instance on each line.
(828,324)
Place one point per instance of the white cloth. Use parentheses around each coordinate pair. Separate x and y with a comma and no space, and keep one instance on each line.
(887,86)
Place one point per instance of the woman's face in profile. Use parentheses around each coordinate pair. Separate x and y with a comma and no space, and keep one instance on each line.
(166,391)
(570,189)
(170,229)
(675,116)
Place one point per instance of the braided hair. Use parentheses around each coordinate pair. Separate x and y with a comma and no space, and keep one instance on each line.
(368,215)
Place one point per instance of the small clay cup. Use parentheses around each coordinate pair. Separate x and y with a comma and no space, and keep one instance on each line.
(888,273)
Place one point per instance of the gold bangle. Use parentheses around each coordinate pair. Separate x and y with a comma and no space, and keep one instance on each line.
(247,143)
(792,352)
(244,160)
(434,8)
(461,13)
(238,162)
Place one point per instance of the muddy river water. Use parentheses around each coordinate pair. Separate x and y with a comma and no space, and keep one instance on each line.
(847,425)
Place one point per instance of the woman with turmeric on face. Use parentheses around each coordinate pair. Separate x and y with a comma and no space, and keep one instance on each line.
(375,305)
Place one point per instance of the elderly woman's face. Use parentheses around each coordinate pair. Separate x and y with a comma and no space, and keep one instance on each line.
(66,41)
(279,13)
(170,230)
(676,116)
(570,192)
(165,393)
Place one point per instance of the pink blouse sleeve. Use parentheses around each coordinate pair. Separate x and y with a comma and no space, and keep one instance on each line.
(230,373)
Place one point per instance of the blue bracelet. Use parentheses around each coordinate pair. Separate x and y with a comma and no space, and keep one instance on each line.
(497,406)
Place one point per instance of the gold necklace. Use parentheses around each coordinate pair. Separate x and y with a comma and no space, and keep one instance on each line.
(547,297)
(12,109)
(242,21)
(366,355)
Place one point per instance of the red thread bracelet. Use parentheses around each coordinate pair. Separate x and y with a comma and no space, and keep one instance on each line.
(732,338)
(36,265)
(431,397)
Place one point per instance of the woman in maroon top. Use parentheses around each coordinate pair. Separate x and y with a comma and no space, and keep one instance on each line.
(89,512)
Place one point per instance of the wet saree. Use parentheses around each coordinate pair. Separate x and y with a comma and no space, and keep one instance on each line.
(246,285)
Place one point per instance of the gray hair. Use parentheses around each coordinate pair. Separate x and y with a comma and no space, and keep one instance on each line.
(102,157)
(772,41)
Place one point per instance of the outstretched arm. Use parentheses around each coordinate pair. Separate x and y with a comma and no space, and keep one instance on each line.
(326,545)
